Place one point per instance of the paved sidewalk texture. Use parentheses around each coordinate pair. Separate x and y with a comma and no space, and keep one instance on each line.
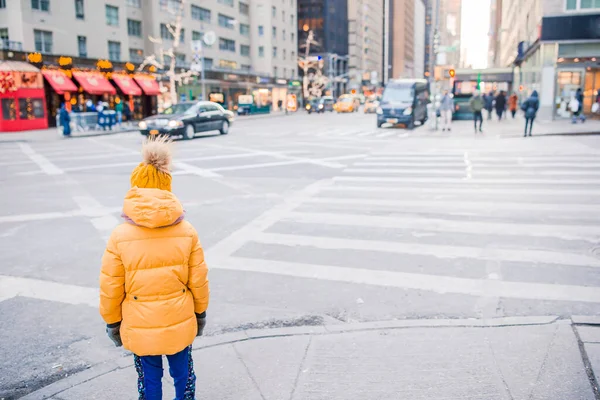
(508,358)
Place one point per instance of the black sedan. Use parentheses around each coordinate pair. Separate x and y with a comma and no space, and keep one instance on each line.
(188,118)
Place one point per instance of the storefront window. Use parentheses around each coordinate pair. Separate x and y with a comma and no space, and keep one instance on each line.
(9,113)
(31,108)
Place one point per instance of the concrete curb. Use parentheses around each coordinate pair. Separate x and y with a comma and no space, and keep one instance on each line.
(98,370)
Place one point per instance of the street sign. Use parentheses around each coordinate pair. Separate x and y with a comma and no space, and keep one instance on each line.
(446,49)
(196,67)
(209,38)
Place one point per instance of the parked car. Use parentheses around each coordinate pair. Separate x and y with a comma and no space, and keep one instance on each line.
(327,102)
(404,102)
(188,118)
(371,105)
(314,105)
(347,103)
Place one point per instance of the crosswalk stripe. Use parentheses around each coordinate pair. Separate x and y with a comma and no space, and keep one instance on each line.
(566,232)
(470,181)
(439,251)
(404,280)
(462,190)
(474,172)
(448,164)
(450,205)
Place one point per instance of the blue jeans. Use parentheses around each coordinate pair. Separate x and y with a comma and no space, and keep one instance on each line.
(181,369)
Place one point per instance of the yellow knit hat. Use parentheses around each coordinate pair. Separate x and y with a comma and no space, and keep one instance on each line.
(155,171)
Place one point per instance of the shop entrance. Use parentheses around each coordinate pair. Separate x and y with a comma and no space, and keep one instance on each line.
(591,88)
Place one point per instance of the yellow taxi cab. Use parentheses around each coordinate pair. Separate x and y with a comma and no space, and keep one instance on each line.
(347,103)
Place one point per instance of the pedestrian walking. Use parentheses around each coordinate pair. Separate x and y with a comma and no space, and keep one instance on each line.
(65,120)
(579,96)
(500,104)
(530,107)
(127,112)
(446,111)
(489,104)
(477,103)
(513,102)
(119,110)
(153,283)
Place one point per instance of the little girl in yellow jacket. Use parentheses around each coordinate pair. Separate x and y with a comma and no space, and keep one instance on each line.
(153,284)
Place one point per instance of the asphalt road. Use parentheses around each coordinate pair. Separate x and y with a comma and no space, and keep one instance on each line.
(306,220)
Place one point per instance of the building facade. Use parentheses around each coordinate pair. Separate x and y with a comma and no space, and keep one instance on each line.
(365,43)
(494,34)
(399,37)
(554,46)
(253,39)
(449,26)
(328,20)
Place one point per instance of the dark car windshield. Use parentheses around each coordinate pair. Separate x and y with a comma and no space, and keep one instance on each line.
(398,94)
(178,108)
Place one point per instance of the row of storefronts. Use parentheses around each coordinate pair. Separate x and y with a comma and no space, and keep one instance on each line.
(565,57)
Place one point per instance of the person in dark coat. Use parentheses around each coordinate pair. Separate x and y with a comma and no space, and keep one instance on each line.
(500,105)
(579,97)
(64,120)
(489,103)
(530,107)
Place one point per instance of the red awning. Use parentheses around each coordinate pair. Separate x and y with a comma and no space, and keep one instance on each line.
(59,81)
(127,85)
(94,82)
(148,85)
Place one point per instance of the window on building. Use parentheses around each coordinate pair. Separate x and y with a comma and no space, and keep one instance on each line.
(366,51)
(284,72)
(282,16)
(245,50)
(292,20)
(273,11)
(180,60)
(261,51)
(226,64)
(172,6)
(226,2)
(79,13)
(114,50)
(3,34)
(43,41)
(244,30)
(208,63)
(2,3)
(9,111)
(31,108)
(199,36)
(275,72)
(587,4)
(246,68)
(274,33)
(292,37)
(292,55)
(244,8)
(226,44)
(134,3)
(42,5)
(136,55)
(82,46)
(200,14)
(134,28)
(274,51)
(225,21)
(283,54)
(283,34)
(261,30)
(112,15)
(166,34)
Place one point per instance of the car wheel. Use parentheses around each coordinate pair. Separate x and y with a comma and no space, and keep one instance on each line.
(189,132)
(224,128)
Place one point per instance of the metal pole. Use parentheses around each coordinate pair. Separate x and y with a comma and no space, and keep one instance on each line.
(202,74)
(331,75)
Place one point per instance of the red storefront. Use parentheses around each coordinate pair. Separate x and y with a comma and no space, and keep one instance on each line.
(147,104)
(62,90)
(94,83)
(22,98)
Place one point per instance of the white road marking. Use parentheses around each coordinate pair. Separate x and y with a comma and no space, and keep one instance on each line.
(461,164)
(474,181)
(478,172)
(589,233)
(45,165)
(281,163)
(114,146)
(439,251)
(46,290)
(467,191)
(452,205)
(403,280)
(194,170)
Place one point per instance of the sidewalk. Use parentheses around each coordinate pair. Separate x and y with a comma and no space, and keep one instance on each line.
(516,127)
(506,358)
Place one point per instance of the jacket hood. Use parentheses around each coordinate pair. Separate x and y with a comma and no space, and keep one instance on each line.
(152,208)
(534,93)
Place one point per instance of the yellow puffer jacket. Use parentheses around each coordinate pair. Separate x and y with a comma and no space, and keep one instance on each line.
(153,275)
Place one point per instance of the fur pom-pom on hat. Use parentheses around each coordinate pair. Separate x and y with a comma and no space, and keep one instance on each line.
(155,170)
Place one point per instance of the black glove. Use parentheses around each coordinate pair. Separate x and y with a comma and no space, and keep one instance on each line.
(201,320)
(114,333)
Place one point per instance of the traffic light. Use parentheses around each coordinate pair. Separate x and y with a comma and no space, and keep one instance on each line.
(452,73)
(353,91)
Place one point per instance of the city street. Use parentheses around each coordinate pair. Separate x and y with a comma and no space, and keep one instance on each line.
(321,221)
